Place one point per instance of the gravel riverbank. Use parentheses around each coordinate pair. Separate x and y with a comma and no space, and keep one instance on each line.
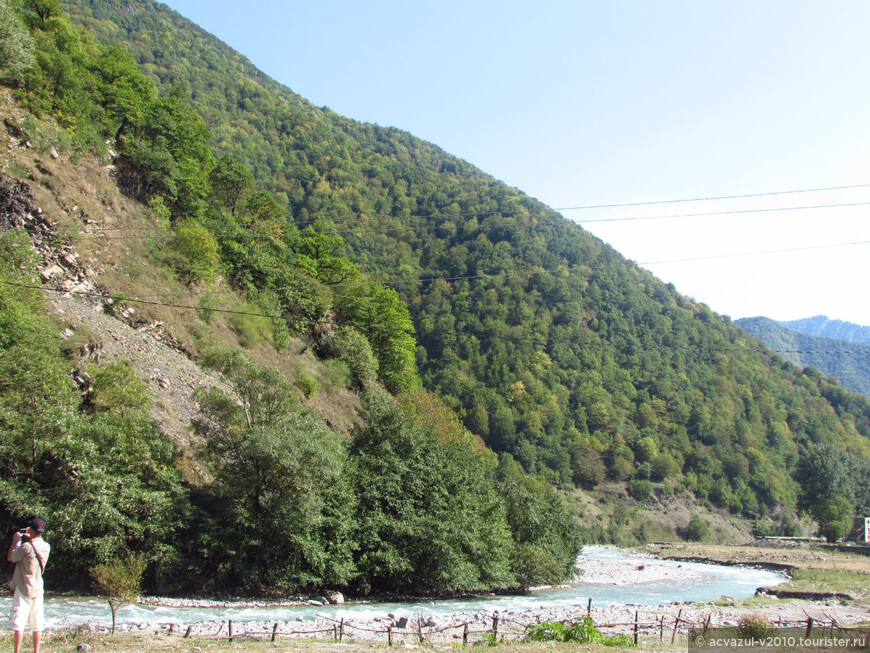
(371,626)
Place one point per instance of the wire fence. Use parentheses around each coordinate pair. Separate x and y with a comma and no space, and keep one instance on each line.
(665,627)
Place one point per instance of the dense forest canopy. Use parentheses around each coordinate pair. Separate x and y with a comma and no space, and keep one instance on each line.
(547,343)
(424,278)
(287,504)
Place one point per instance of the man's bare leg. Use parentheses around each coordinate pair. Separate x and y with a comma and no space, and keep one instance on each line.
(36,642)
(19,635)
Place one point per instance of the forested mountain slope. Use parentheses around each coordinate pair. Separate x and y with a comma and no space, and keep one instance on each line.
(547,343)
(821,325)
(848,361)
(315,459)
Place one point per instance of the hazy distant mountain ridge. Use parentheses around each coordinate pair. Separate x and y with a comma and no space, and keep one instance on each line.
(821,325)
(848,361)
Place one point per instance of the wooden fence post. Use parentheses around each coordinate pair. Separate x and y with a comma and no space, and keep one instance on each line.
(275,631)
(809,627)
(341,630)
(465,634)
(495,628)
(231,629)
(662,629)
(187,632)
(676,625)
(589,608)
(635,627)
(389,635)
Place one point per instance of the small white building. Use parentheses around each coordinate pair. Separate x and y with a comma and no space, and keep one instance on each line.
(860,530)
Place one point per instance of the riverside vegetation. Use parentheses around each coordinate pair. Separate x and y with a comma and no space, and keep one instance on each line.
(516,354)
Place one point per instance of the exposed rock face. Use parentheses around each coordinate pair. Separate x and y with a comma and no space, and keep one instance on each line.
(59,267)
(154,354)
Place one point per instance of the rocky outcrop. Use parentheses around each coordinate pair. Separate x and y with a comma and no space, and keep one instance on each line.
(115,334)
(59,267)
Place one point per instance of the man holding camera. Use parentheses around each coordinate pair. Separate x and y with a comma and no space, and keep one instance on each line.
(29,552)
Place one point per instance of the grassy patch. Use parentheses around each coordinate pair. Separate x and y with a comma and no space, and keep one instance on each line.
(829,580)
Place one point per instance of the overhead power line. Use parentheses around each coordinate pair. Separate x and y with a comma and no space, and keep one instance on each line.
(99,233)
(544,210)
(731,212)
(710,199)
(482,335)
(756,253)
(343,284)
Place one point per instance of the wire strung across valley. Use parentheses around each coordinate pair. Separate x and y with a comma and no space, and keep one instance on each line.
(543,342)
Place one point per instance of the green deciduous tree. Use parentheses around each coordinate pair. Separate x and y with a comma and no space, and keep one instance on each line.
(826,472)
(318,254)
(40,11)
(107,479)
(834,517)
(349,345)
(17,49)
(231,182)
(169,154)
(197,251)
(546,539)
(429,520)
(698,529)
(124,90)
(120,581)
(279,518)
(378,312)
(833,483)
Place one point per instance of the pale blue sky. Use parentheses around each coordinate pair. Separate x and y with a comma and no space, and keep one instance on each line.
(580,103)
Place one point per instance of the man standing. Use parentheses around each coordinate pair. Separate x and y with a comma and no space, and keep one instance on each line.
(29,552)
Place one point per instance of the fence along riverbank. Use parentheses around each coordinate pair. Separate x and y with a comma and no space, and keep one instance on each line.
(482,627)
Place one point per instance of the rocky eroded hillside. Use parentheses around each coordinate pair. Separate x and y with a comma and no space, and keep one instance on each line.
(101,289)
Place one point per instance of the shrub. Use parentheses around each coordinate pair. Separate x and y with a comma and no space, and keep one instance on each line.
(640,489)
(533,565)
(351,346)
(307,384)
(641,533)
(250,328)
(197,251)
(580,632)
(788,528)
(338,372)
(755,626)
(642,471)
(761,528)
(662,467)
(621,469)
(118,388)
(698,530)
(207,308)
